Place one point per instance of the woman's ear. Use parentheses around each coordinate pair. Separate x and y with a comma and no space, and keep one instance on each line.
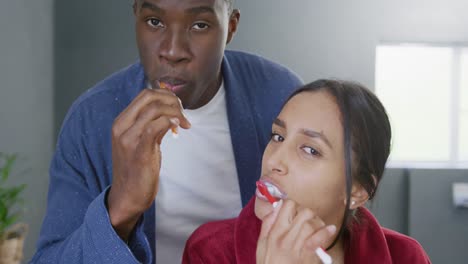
(359,196)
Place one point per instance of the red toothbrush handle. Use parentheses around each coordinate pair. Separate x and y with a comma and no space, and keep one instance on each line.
(264,191)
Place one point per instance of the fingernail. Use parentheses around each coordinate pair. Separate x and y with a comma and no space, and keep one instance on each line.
(188,122)
(331,229)
(174,120)
(277,205)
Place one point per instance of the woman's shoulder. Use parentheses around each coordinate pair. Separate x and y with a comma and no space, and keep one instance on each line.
(404,248)
(211,242)
(216,231)
(381,245)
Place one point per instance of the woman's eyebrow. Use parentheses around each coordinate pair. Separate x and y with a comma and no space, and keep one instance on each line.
(279,123)
(307,132)
(315,134)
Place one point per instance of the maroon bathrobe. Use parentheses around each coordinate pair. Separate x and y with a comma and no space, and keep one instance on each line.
(235,241)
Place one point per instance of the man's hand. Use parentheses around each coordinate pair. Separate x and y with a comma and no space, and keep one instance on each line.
(136,138)
(291,235)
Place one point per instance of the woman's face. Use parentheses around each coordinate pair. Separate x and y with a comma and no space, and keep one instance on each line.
(304,157)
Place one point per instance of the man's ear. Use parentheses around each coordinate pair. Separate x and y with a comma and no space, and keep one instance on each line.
(359,196)
(233,23)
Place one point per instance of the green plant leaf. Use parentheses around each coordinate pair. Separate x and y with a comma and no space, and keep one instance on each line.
(9,161)
(11,196)
(3,218)
(3,211)
(11,220)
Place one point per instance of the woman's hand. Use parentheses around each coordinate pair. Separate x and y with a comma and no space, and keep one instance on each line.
(291,235)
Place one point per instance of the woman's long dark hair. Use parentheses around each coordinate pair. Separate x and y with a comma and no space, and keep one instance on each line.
(367,136)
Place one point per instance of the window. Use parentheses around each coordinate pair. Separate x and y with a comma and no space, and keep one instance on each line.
(463,134)
(425,91)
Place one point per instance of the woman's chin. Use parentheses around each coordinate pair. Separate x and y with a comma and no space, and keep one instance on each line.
(262,208)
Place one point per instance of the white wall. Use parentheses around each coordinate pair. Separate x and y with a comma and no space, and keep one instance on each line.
(26,99)
(333,38)
(92,40)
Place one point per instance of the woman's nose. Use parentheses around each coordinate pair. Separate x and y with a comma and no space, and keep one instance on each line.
(277,160)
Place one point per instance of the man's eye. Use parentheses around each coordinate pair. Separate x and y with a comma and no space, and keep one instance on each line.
(154,22)
(310,151)
(277,138)
(200,26)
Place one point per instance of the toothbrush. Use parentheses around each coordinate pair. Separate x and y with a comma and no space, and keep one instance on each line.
(175,133)
(323,256)
(263,189)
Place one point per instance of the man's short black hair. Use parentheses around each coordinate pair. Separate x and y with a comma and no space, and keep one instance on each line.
(230,4)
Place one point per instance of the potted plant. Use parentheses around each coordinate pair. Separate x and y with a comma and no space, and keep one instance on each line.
(12,233)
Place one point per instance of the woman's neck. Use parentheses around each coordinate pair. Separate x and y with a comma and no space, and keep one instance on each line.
(337,252)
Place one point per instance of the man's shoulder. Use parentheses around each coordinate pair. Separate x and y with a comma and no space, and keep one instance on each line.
(405,248)
(112,94)
(251,58)
(249,64)
(116,83)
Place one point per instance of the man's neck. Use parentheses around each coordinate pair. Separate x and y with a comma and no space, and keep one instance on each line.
(209,93)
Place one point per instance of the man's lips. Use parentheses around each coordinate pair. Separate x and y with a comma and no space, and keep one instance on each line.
(172,83)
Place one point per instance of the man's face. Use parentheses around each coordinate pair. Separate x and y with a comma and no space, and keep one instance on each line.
(182,42)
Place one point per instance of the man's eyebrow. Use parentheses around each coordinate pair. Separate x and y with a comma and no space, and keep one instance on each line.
(200,9)
(279,123)
(315,134)
(153,7)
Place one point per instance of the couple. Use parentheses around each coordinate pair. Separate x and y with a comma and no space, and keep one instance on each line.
(120,190)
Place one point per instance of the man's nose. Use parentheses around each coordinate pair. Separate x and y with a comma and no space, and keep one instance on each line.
(175,47)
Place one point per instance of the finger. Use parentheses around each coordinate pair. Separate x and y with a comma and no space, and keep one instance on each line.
(128,117)
(124,120)
(305,221)
(284,219)
(305,231)
(153,133)
(152,112)
(268,221)
(320,237)
(169,98)
(147,96)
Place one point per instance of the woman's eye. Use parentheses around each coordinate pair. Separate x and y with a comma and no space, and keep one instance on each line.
(200,26)
(276,137)
(154,22)
(310,151)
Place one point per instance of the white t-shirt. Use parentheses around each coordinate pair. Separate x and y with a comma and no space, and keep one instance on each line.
(198,181)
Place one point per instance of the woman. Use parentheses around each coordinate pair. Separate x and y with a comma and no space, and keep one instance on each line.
(325,160)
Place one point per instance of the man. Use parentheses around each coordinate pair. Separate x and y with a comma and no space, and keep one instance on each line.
(119,188)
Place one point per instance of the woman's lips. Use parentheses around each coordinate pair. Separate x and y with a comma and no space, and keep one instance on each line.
(272,189)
